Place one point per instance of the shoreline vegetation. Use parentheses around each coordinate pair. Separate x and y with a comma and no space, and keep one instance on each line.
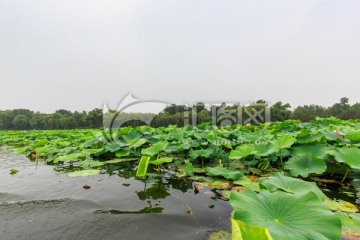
(25,119)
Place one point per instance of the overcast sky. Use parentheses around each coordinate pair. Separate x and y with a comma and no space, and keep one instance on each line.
(80,54)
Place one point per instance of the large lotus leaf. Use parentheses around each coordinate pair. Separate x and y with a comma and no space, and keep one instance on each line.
(312,138)
(284,141)
(318,150)
(84,173)
(291,185)
(242,231)
(161,161)
(286,216)
(304,164)
(350,156)
(201,153)
(241,151)
(154,149)
(265,149)
(135,143)
(353,135)
(224,172)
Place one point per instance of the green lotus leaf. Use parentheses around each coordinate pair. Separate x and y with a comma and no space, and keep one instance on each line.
(120,160)
(143,166)
(290,185)
(341,205)
(161,161)
(136,142)
(177,147)
(89,143)
(241,151)
(318,150)
(242,231)
(200,153)
(113,147)
(353,135)
(265,149)
(90,163)
(122,152)
(284,141)
(286,216)
(224,172)
(350,156)
(304,164)
(154,149)
(350,222)
(70,158)
(40,143)
(84,173)
(248,184)
(146,129)
(312,138)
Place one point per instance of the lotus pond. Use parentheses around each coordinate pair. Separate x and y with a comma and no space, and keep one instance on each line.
(283,180)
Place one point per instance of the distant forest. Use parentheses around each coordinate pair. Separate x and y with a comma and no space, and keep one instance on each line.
(24,119)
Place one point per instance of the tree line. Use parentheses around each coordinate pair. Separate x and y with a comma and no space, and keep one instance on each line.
(24,119)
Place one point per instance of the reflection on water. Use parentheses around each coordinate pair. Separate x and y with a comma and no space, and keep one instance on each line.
(117,204)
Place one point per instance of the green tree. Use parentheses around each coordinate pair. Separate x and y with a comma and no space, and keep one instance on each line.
(95,118)
(21,122)
(280,111)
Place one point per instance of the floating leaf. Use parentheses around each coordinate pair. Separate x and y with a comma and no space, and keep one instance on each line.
(70,157)
(90,163)
(224,172)
(121,160)
(84,173)
(222,235)
(161,161)
(341,206)
(13,171)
